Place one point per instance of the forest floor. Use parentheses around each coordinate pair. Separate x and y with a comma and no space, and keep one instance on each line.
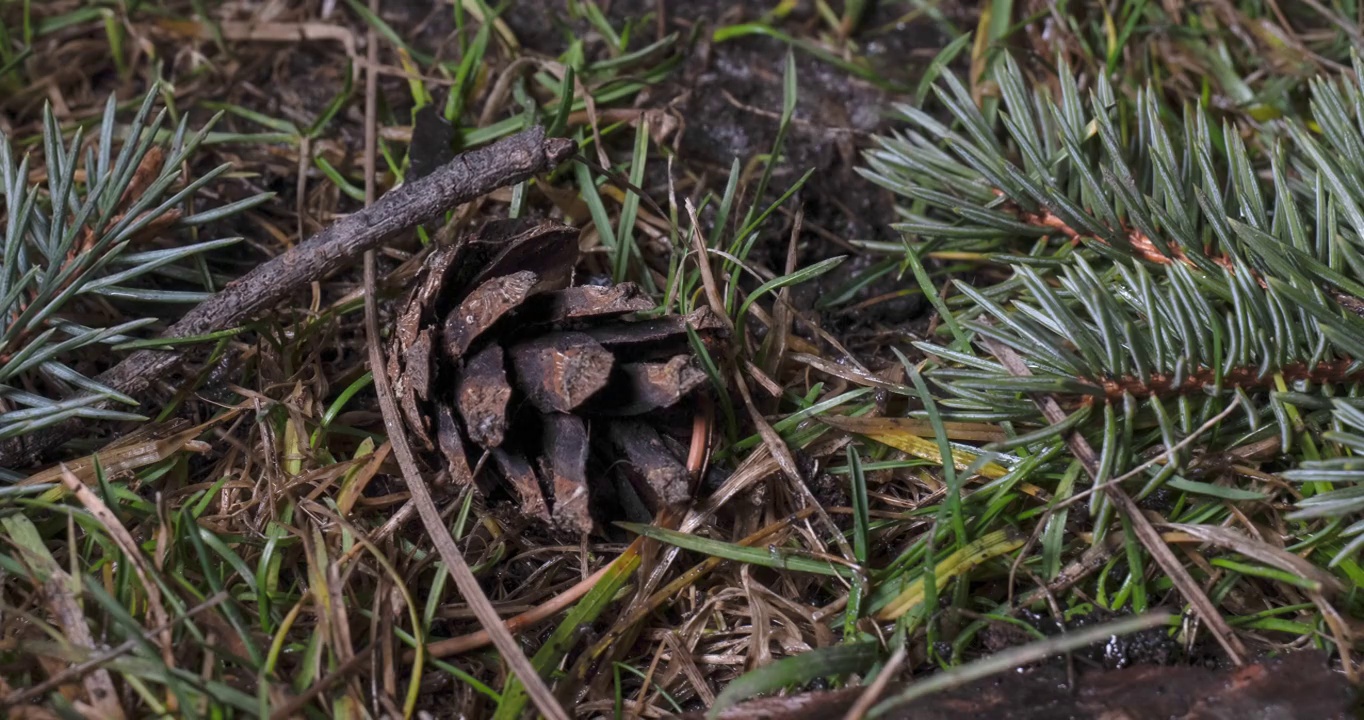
(255,551)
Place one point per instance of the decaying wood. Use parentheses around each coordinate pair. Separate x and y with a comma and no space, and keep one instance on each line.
(468,176)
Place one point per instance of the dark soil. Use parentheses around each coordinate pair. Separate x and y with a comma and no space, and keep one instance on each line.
(1293,687)
(729,95)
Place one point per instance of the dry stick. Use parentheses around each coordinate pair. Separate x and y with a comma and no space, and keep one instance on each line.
(461,180)
(1147,533)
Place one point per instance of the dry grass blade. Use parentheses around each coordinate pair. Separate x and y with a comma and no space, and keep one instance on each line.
(852,373)
(144,447)
(266,32)
(1234,541)
(775,445)
(59,590)
(1150,538)
(1328,587)
(421,496)
(132,554)
(713,295)
(774,352)
(80,670)
(98,684)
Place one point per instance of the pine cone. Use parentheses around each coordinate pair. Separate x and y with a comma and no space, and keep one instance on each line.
(496,351)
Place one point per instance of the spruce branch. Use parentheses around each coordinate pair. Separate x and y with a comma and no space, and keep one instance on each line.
(1204,270)
(79,244)
(1159,272)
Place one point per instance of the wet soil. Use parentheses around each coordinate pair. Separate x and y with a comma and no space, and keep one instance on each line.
(1292,687)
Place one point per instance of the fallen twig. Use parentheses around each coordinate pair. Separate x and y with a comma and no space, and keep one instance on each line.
(468,176)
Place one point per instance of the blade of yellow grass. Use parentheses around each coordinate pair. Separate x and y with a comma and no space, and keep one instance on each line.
(905,437)
(958,563)
(503,30)
(960,431)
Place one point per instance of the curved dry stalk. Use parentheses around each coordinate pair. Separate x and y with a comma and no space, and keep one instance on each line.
(430,515)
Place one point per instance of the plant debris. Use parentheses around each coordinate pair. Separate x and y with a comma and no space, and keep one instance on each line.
(495,351)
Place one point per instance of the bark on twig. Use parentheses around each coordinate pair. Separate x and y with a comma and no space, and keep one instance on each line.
(463,179)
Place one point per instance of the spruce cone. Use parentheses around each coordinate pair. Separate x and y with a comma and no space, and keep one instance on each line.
(496,351)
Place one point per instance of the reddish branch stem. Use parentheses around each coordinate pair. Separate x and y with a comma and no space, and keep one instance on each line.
(1329,372)
(1143,245)
(1164,385)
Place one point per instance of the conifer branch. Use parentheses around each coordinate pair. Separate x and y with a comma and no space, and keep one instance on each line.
(1160,271)
(79,245)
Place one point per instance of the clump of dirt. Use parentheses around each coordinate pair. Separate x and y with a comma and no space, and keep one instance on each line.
(1147,647)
